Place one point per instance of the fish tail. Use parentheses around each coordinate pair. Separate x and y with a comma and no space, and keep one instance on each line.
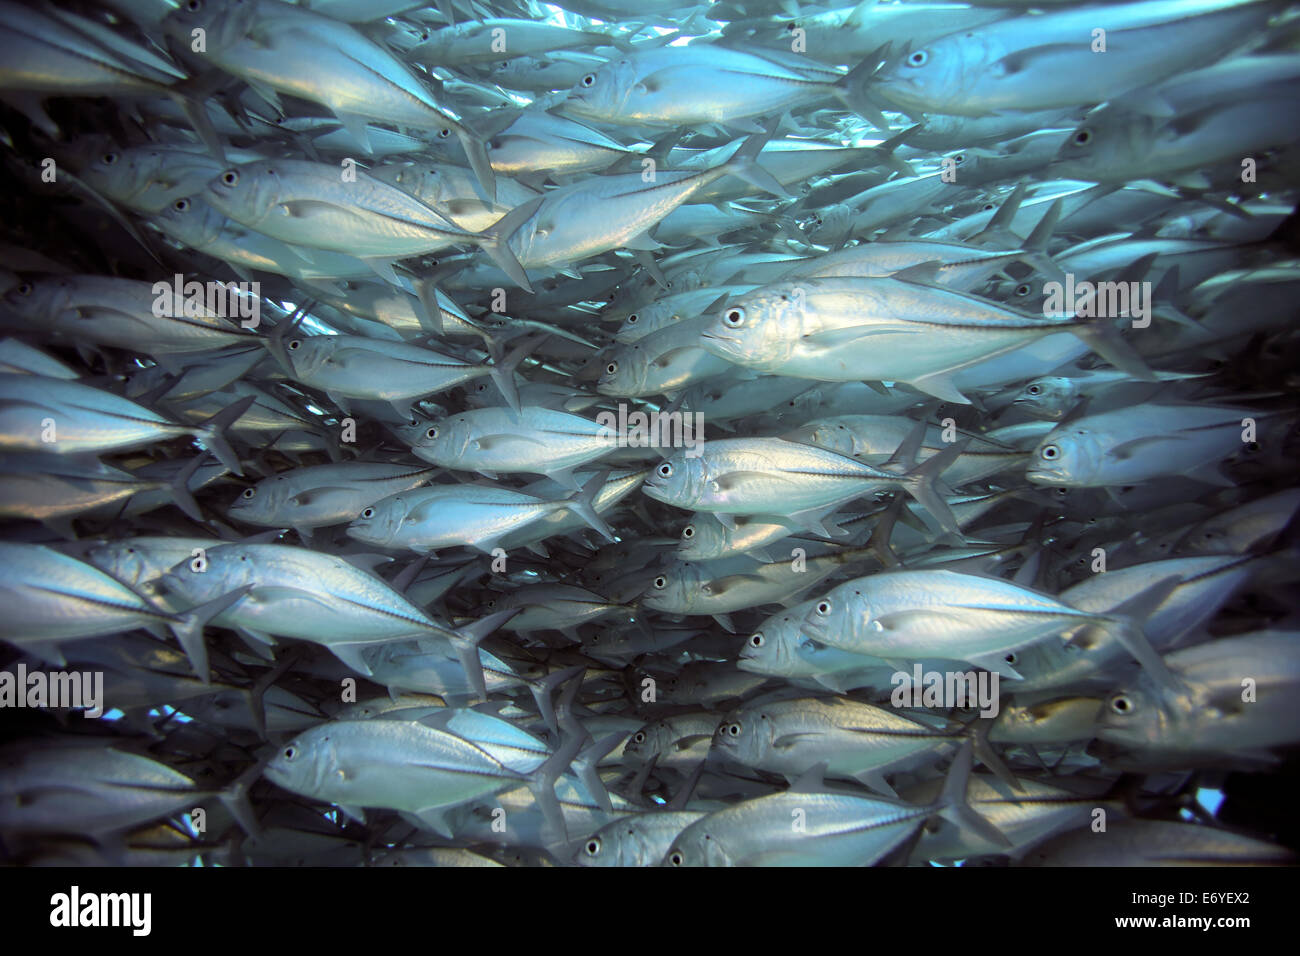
(583,504)
(920,484)
(212,432)
(503,373)
(1127,624)
(952,805)
(188,629)
(235,797)
(542,784)
(180,488)
(476,152)
(978,731)
(1100,335)
(495,241)
(466,640)
(852,87)
(543,689)
(744,165)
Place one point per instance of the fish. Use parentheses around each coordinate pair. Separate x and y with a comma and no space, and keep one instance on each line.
(642,433)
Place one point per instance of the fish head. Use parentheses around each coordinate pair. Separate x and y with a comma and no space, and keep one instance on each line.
(207,577)
(771,648)
(379,523)
(1049,397)
(248,194)
(761,329)
(1105,146)
(649,317)
(673,588)
(604,93)
(647,742)
(225,23)
(622,843)
(305,763)
(123,174)
(424,181)
(262,502)
(123,560)
(677,480)
(624,373)
(39,300)
(413,429)
(303,355)
(1132,717)
(744,737)
(704,538)
(449,438)
(938,77)
(192,221)
(1067,456)
(829,226)
(697,846)
(833,614)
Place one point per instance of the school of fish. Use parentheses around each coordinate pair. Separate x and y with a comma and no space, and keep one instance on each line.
(619,433)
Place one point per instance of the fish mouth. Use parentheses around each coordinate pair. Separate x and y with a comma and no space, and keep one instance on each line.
(726,343)
(1046,476)
(654,491)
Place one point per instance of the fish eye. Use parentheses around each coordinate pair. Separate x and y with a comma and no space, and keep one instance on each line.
(181,205)
(1011,658)
(444,133)
(688,531)
(988,207)
(733,730)
(665,470)
(295,345)
(661,582)
(368,513)
(230,177)
(25,289)
(1083,137)
(589,79)
(734,318)
(675,859)
(290,753)
(1050,453)
(431,431)
(756,640)
(593,847)
(959,158)
(824,608)
(108,159)
(611,368)
(918,58)
(1035,389)
(249,492)
(1023,289)
(639,738)
(1121,704)
(631,319)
